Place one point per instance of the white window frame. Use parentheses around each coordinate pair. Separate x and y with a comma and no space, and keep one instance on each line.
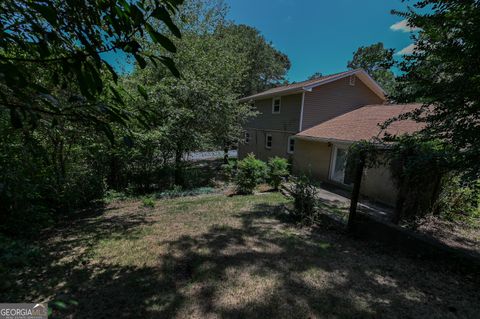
(266,140)
(290,138)
(279,99)
(352,80)
(247,138)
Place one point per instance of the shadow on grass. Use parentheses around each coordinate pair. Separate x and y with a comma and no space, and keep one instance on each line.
(258,268)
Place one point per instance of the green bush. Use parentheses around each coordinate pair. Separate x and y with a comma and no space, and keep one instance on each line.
(230,169)
(250,173)
(277,171)
(304,200)
(148,202)
(457,201)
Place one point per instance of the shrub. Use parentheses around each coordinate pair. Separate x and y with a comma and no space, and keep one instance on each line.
(277,171)
(458,201)
(148,202)
(305,200)
(250,173)
(230,169)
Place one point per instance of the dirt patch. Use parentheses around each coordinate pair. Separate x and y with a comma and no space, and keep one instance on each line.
(454,234)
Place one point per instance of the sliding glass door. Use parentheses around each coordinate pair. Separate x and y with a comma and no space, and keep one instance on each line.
(339,172)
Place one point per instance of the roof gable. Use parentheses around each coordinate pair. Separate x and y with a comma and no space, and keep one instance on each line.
(310,84)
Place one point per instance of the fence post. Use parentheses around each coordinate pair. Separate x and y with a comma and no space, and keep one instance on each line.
(359,165)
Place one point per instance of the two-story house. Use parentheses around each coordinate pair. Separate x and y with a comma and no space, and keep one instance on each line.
(313,123)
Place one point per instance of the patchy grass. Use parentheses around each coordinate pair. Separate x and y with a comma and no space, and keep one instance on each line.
(215,256)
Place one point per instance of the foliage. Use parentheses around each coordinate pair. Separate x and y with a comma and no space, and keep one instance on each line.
(417,167)
(46,174)
(230,169)
(457,201)
(148,202)
(15,253)
(315,75)
(377,62)
(370,151)
(68,41)
(443,74)
(88,129)
(250,173)
(112,195)
(266,66)
(277,171)
(305,200)
(200,110)
(424,176)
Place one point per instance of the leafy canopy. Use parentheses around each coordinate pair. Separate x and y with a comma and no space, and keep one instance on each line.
(376,60)
(65,40)
(444,73)
(267,67)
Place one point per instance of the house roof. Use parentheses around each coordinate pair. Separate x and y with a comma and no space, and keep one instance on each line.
(310,84)
(363,124)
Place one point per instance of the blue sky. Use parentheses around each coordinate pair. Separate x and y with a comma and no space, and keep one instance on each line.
(317,35)
(321,35)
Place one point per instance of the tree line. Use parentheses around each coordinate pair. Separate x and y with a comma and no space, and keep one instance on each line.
(72,126)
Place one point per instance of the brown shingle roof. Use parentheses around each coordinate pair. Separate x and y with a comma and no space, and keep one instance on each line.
(297,86)
(362,124)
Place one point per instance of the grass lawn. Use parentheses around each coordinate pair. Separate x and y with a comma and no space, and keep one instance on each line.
(215,256)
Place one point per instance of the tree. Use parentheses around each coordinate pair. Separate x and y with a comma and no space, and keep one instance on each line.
(66,40)
(443,72)
(60,100)
(376,61)
(200,110)
(267,66)
(315,75)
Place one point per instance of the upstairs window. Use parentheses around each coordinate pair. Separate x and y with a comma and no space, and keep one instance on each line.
(291,145)
(268,141)
(276,105)
(247,137)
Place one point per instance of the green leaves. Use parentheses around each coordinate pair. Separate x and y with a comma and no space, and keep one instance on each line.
(56,46)
(140,60)
(159,38)
(170,64)
(442,74)
(48,12)
(142,91)
(162,14)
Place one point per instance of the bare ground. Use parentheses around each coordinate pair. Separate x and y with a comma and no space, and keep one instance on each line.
(232,257)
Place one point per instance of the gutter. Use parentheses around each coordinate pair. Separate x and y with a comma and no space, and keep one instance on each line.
(335,141)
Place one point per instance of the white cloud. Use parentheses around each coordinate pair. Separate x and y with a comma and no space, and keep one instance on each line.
(407,50)
(403,26)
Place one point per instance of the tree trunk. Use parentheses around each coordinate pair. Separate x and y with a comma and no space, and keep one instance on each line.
(355,192)
(178,176)
(225,155)
(435,195)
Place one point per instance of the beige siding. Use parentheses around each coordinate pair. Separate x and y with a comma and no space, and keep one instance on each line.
(313,158)
(287,120)
(257,144)
(333,99)
(377,184)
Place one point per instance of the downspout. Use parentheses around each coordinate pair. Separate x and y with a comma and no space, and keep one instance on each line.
(301,112)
